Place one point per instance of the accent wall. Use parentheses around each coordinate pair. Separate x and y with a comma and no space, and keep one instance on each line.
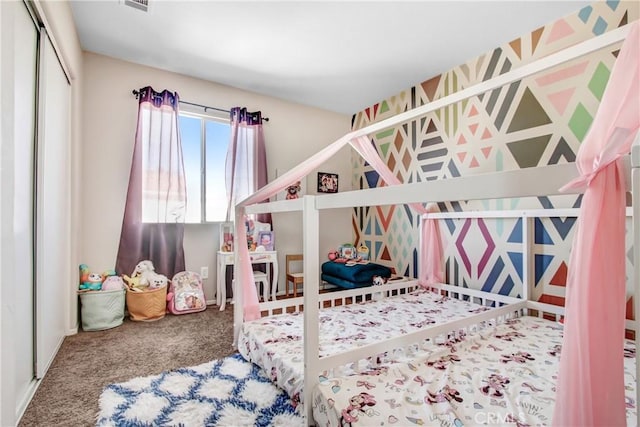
(537,121)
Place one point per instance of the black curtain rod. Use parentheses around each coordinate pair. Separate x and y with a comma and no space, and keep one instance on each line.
(205,107)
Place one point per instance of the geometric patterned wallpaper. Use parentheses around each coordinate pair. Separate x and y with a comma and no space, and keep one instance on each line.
(487,254)
(539,120)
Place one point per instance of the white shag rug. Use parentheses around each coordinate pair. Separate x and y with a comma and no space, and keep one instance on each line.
(225,392)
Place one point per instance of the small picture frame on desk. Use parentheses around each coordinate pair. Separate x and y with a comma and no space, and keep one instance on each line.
(266,240)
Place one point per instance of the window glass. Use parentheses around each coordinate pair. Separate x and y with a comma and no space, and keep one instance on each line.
(204,147)
(217,142)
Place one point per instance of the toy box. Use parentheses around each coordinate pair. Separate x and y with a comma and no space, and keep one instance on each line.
(100,310)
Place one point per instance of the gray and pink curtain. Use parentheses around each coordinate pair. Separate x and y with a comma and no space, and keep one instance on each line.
(153,223)
(245,168)
(246,163)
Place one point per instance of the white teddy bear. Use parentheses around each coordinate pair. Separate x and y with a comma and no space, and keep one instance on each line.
(144,276)
(158,281)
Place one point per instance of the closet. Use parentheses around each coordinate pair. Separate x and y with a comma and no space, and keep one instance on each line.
(35,276)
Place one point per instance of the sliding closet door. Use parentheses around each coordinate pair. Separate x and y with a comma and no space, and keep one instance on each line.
(26,41)
(53,278)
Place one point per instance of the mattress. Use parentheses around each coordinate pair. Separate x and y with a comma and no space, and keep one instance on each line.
(275,343)
(506,373)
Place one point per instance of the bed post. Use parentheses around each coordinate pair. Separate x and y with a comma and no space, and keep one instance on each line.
(236,288)
(528,274)
(635,200)
(310,245)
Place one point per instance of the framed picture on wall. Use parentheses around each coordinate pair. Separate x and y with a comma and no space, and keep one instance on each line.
(327,182)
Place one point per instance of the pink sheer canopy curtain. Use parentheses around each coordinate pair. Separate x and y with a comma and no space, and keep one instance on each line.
(430,269)
(246,163)
(591,375)
(153,224)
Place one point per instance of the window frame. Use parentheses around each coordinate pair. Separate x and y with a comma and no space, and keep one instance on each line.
(205,116)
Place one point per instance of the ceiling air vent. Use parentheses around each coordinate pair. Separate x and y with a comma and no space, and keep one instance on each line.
(142,5)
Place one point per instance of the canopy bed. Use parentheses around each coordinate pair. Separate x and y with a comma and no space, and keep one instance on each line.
(593,332)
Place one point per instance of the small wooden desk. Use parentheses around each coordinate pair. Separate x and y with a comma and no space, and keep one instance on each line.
(227,258)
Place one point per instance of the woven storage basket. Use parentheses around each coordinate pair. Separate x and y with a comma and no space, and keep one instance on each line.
(101,310)
(147,305)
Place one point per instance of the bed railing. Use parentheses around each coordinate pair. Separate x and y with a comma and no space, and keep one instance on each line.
(353,296)
(468,324)
(336,298)
(473,295)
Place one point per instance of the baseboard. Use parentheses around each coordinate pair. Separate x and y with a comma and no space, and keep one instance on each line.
(24,402)
(73,330)
(211,302)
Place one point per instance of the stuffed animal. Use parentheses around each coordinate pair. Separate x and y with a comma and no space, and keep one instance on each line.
(133,283)
(144,277)
(145,271)
(113,283)
(378,281)
(293,190)
(158,281)
(91,281)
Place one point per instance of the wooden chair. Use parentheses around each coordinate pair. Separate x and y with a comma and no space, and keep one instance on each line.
(296,278)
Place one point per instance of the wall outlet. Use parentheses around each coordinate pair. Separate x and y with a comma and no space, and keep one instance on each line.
(204,272)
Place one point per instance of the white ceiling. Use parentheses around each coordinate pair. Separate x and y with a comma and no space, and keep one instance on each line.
(341,56)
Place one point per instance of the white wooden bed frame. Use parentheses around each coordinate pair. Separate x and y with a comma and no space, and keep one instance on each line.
(541,181)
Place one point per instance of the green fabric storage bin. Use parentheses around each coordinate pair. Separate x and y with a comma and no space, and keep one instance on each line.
(101,310)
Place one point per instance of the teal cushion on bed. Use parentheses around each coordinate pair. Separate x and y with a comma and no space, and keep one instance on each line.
(101,310)
(357,274)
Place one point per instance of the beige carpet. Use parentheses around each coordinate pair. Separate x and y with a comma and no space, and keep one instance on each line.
(89,361)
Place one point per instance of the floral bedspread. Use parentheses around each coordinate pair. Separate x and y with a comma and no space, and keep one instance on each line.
(502,376)
(275,343)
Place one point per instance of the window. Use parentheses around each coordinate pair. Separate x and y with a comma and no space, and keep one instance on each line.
(204,145)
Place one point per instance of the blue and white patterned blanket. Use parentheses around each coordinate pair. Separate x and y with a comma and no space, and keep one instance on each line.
(225,392)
